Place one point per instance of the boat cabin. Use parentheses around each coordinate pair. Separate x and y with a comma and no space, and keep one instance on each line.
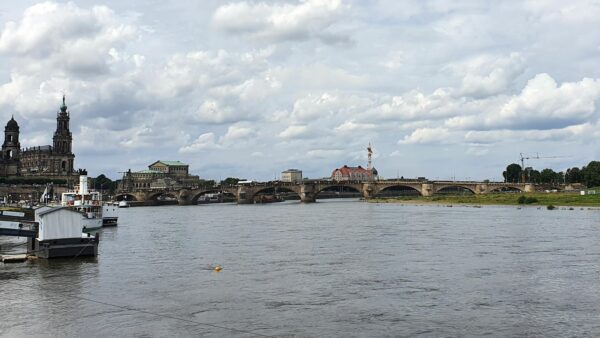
(59,223)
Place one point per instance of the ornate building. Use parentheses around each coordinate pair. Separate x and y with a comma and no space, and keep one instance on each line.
(54,161)
(359,173)
(159,175)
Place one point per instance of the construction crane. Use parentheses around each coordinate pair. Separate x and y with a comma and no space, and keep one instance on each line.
(536,157)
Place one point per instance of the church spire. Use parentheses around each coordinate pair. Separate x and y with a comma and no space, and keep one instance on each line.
(63,107)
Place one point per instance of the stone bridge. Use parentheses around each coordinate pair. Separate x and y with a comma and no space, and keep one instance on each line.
(309,190)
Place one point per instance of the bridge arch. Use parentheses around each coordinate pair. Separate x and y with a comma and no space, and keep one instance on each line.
(341,190)
(506,189)
(125,197)
(398,190)
(455,190)
(276,191)
(165,194)
(225,195)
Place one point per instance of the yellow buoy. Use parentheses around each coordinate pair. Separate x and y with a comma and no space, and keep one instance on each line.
(218,268)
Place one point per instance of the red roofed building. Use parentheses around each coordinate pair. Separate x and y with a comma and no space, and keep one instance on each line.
(359,173)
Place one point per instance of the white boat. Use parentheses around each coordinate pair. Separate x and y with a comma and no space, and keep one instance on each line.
(89,202)
(110,214)
(123,204)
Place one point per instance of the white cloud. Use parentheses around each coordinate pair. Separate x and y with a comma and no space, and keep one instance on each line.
(542,104)
(203,142)
(294,132)
(279,22)
(238,134)
(486,75)
(353,127)
(212,111)
(65,36)
(428,136)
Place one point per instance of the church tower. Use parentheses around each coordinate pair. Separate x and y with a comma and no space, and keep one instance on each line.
(11,146)
(11,149)
(62,136)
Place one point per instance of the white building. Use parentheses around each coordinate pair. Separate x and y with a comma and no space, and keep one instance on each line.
(291,175)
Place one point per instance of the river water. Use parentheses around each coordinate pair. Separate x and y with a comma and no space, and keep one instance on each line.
(338,268)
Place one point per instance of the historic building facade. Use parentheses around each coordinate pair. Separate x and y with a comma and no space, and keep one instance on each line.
(160,175)
(359,173)
(291,175)
(56,161)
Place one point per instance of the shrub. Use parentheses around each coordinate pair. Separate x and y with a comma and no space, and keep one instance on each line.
(526,200)
(530,200)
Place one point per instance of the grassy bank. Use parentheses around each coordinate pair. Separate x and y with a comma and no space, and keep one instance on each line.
(557,199)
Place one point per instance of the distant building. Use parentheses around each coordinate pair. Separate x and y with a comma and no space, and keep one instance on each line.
(160,175)
(171,168)
(52,161)
(359,173)
(291,175)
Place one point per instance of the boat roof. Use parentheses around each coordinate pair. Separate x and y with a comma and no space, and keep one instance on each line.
(51,210)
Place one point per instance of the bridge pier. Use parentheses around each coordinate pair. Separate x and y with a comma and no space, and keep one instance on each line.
(481,189)
(243,197)
(367,190)
(308,194)
(427,189)
(184,198)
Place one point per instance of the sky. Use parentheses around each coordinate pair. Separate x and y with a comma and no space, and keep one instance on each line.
(443,89)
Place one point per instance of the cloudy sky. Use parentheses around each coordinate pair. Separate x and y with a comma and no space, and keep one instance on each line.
(442,88)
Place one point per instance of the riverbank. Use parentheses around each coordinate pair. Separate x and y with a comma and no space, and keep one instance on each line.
(540,199)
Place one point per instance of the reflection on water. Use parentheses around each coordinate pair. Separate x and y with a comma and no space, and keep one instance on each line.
(334,268)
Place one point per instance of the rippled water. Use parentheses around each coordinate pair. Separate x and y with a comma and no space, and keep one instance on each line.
(329,269)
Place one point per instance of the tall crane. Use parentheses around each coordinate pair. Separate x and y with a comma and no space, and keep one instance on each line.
(536,157)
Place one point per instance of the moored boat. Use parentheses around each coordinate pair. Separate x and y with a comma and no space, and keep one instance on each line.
(90,203)
(110,214)
(61,233)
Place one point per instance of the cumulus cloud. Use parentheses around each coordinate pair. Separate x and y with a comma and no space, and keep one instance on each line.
(282,22)
(212,111)
(507,135)
(294,132)
(203,142)
(238,134)
(542,104)
(416,105)
(486,75)
(428,136)
(66,36)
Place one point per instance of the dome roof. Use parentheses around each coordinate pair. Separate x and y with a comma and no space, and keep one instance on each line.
(374,171)
(12,125)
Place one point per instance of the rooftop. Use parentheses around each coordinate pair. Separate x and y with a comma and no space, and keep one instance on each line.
(149,171)
(170,163)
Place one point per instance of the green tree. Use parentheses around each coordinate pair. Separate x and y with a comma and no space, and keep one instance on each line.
(512,173)
(547,176)
(534,176)
(230,181)
(591,174)
(574,175)
(104,183)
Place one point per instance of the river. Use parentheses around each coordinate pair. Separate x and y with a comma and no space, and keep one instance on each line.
(337,268)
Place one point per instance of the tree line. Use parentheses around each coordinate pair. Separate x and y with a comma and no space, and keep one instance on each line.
(588,175)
